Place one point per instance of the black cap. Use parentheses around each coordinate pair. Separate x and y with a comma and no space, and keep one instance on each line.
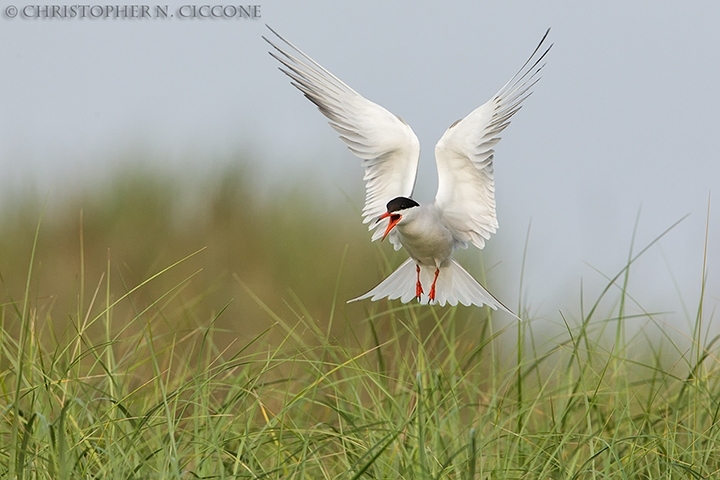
(401,203)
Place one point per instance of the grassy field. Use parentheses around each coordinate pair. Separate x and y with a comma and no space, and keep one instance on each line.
(139,341)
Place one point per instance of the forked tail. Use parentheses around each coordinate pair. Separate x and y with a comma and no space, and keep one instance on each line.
(454,285)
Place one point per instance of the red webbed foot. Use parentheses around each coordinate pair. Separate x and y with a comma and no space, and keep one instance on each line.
(418,285)
(431,295)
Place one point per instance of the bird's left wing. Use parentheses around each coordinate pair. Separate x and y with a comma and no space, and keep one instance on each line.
(386,144)
(464,156)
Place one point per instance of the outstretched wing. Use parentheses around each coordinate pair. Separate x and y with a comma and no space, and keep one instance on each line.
(464,156)
(386,144)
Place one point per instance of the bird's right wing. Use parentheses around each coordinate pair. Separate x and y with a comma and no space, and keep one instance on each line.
(386,144)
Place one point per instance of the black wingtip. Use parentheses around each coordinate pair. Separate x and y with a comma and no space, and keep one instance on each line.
(273,31)
(276,34)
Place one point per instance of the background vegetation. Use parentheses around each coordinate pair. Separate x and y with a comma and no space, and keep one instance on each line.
(160,327)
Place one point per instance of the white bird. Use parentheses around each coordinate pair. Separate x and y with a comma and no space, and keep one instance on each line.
(463,211)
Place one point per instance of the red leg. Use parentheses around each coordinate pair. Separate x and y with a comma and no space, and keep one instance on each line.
(431,296)
(418,285)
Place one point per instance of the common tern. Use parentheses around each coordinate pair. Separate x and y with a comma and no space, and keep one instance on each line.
(463,211)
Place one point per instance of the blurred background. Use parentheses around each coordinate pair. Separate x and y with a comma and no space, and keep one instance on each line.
(158,137)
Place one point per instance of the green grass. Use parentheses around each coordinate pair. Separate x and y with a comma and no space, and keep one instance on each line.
(148,368)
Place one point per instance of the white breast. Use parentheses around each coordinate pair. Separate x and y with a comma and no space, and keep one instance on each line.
(425,237)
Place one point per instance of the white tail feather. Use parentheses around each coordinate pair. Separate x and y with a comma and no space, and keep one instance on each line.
(454,285)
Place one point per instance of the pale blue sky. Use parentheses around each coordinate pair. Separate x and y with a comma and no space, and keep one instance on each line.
(627,115)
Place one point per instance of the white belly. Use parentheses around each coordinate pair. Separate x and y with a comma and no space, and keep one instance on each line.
(427,241)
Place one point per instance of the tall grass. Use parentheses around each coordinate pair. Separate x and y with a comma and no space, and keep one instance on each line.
(146,369)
